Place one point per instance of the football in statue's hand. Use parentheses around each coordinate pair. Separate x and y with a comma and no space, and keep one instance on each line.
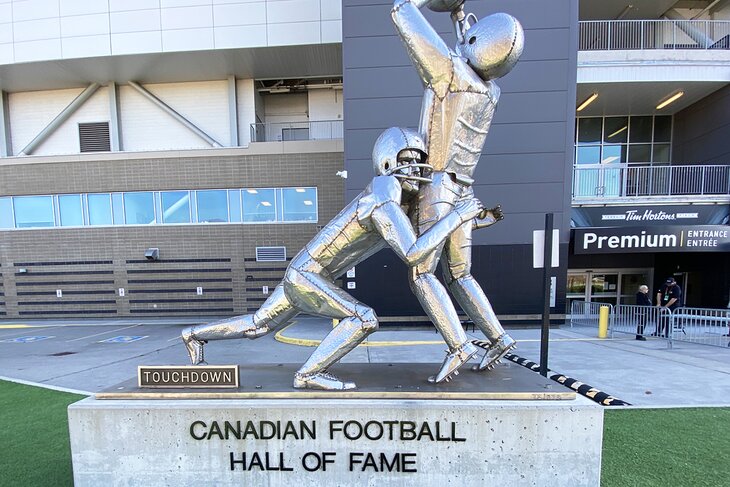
(445,5)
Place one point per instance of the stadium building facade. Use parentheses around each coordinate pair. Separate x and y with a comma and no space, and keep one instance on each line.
(167,157)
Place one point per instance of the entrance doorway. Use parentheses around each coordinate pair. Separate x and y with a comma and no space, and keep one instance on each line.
(611,286)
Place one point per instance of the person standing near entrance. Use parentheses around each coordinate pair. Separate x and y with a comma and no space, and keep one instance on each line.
(642,299)
(670,297)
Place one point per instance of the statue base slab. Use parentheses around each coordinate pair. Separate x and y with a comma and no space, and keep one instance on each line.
(431,435)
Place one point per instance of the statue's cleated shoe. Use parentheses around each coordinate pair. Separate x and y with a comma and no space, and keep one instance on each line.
(321,381)
(495,353)
(453,361)
(194,347)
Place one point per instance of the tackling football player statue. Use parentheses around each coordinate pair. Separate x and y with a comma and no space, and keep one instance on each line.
(374,219)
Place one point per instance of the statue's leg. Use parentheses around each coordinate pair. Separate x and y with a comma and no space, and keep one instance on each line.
(316,294)
(275,311)
(471,297)
(435,200)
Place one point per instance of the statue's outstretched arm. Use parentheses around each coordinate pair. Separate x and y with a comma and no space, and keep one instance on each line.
(428,52)
(395,227)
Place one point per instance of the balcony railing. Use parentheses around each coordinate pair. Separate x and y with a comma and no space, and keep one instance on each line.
(286,131)
(611,35)
(606,181)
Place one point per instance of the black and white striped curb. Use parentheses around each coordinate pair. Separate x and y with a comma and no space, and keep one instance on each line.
(583,389)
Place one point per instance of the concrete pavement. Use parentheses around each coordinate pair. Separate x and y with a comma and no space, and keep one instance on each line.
(93,355)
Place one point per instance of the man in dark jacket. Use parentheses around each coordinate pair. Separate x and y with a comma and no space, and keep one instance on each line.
(670,297)
(642,299)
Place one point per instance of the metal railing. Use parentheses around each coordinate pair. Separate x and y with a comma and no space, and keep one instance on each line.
(639,320)
(585,313)
(611,35)
(701,325)
(704,326)
(288,131)
(628,180)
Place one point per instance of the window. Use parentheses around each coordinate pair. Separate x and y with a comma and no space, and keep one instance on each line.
(139,208)
(299,205)
(259,205)
(234,204)
(118,208)
(212,206)
(6,213)
(69,210)
(251,205)
(175,207)
(100,209)
(33,211)
(633,139)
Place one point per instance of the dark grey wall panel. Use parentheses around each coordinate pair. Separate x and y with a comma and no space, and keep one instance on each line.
(527,159)
(701,131)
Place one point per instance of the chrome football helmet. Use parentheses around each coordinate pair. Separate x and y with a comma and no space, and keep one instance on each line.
(492,45)
(401,153)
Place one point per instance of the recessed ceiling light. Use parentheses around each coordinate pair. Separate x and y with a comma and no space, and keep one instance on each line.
(307,203)
(671,99)
(587,102)
(252,191)
(300,190)
(265,203)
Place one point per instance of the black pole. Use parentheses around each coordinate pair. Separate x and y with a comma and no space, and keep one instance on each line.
(546,266)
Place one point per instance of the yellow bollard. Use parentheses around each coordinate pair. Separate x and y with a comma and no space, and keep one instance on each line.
(603,322)
(335,322)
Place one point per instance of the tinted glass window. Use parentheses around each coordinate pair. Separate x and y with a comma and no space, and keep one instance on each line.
(33,211)
(118,208)
(139,208)
(662,129)
(640,130)
(613,154)
(234,204)
(616,130)
(640,153)
(259,205)
(100,209)
(6,213)
(175,207)
(69,209)
(299,204)
(588,155)
(661,153)
(589,130)
(212,206)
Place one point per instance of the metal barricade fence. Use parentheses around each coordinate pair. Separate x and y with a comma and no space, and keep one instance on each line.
(639,320)
(704,326)
(586,313)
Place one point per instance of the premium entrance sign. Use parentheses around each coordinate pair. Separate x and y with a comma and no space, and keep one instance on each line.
(696,238)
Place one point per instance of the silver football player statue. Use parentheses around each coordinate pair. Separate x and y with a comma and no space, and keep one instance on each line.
(459,100)
(373,219)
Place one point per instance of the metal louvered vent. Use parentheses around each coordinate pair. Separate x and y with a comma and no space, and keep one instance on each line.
(270,254)
(94,137)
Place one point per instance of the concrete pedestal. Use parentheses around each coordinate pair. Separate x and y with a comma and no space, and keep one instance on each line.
(449,438)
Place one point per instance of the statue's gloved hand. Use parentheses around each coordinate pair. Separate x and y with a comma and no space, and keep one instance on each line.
(488,216)
(468,208)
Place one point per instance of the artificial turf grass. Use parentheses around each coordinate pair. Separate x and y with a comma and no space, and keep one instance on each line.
(34,436)
(666,447)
